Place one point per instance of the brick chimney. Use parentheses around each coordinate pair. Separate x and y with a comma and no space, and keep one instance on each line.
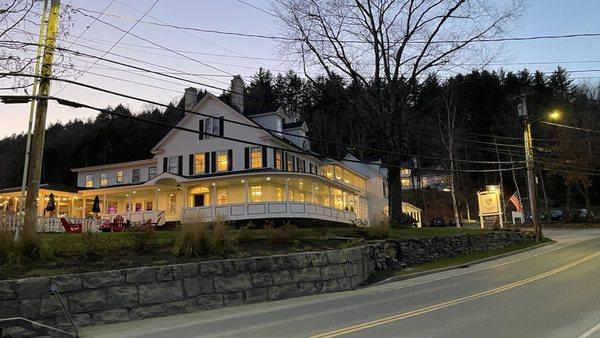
(237,93)
(190,97)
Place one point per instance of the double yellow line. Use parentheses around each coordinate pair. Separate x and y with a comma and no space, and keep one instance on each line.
(431,308)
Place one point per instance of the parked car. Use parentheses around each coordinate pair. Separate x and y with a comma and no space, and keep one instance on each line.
(452,223)
(437,222)
(557,215)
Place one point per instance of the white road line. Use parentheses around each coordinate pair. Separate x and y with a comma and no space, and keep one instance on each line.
(484,268)
(591,331)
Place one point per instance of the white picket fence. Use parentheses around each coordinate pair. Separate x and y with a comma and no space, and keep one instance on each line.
(51,224)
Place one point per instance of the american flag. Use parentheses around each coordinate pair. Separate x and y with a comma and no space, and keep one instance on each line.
(516,201)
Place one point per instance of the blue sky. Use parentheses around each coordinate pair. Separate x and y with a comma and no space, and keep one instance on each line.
(542,17)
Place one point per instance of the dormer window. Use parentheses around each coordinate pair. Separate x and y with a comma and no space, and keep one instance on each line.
(211,126)
(89,183)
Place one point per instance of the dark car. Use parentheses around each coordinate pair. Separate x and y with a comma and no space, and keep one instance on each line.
(437,222)
(452,223)
(557,215)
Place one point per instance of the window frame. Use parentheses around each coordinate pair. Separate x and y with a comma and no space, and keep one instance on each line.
(170,165)
(150,174)
(199,163)
(120,176)
(103,179)
(278,159)
(220,194)
(136,178)
(256,157)
(257,194)
(220,161)
(88,178)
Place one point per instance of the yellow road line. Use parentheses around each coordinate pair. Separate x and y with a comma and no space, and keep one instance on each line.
(431,308)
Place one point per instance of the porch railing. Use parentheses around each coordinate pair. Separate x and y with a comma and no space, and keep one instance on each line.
(50,224)
(267,210)
(139,217)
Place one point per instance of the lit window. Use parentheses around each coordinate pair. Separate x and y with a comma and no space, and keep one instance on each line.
(278,194)
(405,172)
(405,183)
(222,164)
(88,181)
(222,197)
(211,126)
(385,188)
(301,197)
(290,163)
(152,171)
(172,205)
(103,179)
(338,173)
(120,176)
(278,165)
(290,195)
(199,163)
(423,181)
(135,176)
(111,207)
(255,157)
(173,165)
(148,205)
(138,206)
(256,193)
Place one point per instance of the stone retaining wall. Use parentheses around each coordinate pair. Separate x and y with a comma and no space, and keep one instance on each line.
(421,250)
(121,295)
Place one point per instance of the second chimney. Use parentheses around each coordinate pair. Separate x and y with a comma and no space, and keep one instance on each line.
(237,93)
(190,97)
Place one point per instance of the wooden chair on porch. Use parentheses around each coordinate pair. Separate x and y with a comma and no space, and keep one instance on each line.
(117,224)
(72,228)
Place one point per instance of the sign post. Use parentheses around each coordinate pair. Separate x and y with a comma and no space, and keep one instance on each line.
(490,206)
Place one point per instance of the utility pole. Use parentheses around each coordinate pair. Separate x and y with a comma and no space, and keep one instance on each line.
(522,110)
(37,141)
(38,59)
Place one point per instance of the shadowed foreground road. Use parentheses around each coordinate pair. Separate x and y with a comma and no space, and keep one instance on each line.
(552,291)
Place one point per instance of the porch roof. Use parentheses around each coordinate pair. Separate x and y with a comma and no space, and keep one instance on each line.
(45,186)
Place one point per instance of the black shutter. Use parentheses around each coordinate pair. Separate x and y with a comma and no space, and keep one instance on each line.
(180,165)
(201,129)
(165,163)
(303,166)
(275,158)
(221,125)
(264,157)
(191,165)
(247,158)
(206,163)
(284,160)
(213,161)
(230,160)
(293,163)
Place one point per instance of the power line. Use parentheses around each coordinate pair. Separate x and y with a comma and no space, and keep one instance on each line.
(273,131)
(283,38)
(258,8)
(92,23)
(97,18)
(75,104)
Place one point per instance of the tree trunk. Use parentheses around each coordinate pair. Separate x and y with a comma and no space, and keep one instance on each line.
(545,197)
(453,193)
(395,195)
(588,201)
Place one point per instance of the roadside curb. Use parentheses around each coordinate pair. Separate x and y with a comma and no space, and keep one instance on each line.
(458,266)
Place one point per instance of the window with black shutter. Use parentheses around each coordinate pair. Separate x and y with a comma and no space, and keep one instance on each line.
(264,157)
(213,161)
(221,125)
(206,163)
(165,164)
(247,158)
(180,165)
(191,165)
(201,129)
(230,160)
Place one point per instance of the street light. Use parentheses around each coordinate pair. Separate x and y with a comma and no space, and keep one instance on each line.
(522,111)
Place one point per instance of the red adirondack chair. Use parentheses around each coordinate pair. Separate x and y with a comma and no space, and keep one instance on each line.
(72,228)
(117,224)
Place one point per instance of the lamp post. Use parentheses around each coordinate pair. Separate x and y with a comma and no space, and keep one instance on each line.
(529,160)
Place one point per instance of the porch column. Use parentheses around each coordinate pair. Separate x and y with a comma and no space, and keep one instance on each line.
(312,192)
(213,194)
(83,209)
(104,203)
(246,191)
(185,197)
(129,211)
(286,191)
(331,201)
(155,206)
(72,212)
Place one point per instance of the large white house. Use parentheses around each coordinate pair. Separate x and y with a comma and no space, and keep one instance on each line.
(196,176)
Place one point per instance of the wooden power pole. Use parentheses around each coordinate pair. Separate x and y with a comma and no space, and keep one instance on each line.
(37,140)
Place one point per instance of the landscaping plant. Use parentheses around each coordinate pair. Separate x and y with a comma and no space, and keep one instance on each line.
(192,240)
(141,238)
(223,240)
(381,230)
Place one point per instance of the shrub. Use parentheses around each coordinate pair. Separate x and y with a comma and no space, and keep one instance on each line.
(141,238)
(30,246)
(246,234)
(93,245)
(222,239)
(191,240)
(406,221)
(285,234)
(381,230)
(8,249)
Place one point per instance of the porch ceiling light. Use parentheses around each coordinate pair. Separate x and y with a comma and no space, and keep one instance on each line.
(214,184)
(158,189)
(268,178)
(301,183)
(243,181)
(133,192)
(126,195)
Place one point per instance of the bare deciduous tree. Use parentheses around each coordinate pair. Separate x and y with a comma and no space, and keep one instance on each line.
(387,48)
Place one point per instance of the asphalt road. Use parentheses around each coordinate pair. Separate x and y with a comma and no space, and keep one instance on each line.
(552,291)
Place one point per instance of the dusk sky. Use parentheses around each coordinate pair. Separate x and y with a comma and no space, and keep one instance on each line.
(542,17)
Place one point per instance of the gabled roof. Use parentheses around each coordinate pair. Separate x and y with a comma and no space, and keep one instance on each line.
(260,111)
(210,96)
(115,165)
(295,125)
